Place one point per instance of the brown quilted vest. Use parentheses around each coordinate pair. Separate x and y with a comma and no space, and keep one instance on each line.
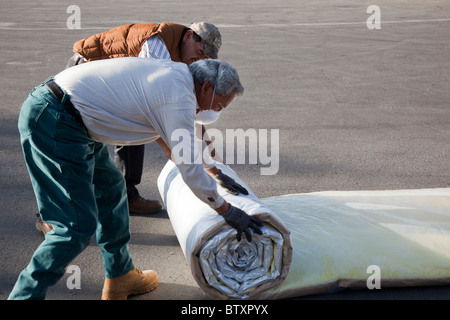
(127,41)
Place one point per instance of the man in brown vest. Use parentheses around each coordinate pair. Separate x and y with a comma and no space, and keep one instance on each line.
(147,40)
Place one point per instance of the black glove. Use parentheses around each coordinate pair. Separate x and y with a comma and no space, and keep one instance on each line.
(242,222)
(229,184)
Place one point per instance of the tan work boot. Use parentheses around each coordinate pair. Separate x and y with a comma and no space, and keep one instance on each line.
(144,206)
(134,282)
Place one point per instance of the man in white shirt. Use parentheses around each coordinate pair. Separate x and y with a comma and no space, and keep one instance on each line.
(152,41)
(65,124)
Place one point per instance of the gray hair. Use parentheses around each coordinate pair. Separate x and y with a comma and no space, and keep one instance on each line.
(221,74)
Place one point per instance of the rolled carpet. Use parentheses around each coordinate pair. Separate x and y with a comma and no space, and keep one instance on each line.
(223,267)
(313,243)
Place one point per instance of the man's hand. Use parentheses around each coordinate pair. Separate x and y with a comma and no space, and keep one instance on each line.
(229,184)
(242,222)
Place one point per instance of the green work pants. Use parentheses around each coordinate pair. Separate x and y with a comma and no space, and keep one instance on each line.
(79,191)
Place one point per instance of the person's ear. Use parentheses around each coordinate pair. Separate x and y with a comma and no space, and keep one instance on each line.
(187,35)
(206,87)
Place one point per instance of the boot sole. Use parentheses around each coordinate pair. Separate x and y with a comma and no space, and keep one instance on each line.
(124,295)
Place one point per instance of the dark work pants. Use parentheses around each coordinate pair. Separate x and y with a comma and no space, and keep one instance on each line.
(78,190)
(130,161)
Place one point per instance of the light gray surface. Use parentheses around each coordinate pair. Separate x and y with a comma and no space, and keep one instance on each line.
(357,109)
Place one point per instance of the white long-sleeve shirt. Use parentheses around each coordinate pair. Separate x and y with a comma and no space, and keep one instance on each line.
(133,101)
(154,47)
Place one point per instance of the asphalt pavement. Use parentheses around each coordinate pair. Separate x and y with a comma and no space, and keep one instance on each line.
(356,108)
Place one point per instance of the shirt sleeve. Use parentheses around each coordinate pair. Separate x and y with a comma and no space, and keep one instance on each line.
(208,161)
(177,123)
(154,48)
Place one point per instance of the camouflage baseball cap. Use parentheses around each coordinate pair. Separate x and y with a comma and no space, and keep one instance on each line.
(211,37)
